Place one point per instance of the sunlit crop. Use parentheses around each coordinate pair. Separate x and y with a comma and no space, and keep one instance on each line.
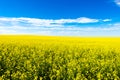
(59,58)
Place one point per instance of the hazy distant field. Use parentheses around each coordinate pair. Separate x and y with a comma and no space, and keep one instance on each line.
(59,58)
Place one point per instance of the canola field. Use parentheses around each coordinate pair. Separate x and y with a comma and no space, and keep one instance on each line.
(59,58)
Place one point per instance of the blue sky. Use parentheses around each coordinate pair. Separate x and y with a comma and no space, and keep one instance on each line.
(60,17)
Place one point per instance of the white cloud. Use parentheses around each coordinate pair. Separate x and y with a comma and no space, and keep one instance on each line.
(53,27)
(107,20)
(49,21)
(46,22)
(78,20)
(86,20)
(6,30)
(117,2)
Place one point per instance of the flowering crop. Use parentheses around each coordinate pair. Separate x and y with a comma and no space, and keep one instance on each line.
(59,58)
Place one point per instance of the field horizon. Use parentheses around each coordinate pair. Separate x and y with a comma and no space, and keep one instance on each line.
(59,36)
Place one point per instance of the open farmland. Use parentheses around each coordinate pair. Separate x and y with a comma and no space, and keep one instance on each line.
(59,58)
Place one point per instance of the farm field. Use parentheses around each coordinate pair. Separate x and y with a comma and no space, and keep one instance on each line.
(59,58)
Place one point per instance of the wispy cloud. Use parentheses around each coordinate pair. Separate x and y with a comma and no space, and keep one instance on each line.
(54,27)
(117,2)
(49,21)
(78,20)
(107,20)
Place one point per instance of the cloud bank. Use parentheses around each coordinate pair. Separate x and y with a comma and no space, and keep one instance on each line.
(36,26)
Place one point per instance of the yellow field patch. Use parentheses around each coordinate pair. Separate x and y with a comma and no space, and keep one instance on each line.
(55,58)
